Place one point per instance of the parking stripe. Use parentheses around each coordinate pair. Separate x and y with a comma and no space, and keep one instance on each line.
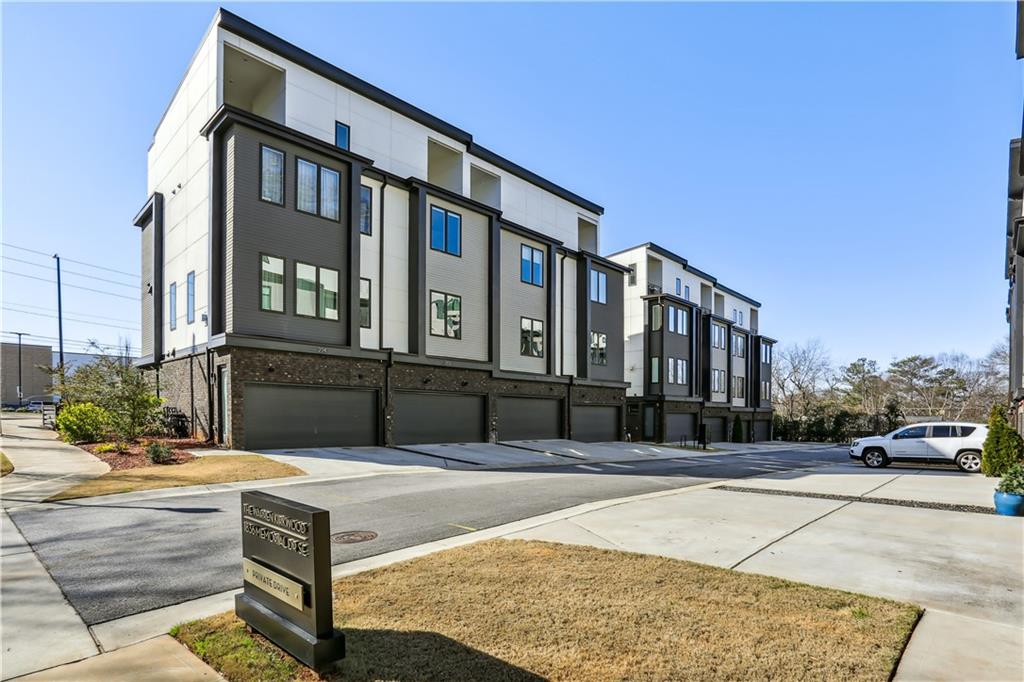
(587,467)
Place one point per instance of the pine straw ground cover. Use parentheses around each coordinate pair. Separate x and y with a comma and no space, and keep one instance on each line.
(525,610)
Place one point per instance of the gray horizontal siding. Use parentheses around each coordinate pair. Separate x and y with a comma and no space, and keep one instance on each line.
(518,300)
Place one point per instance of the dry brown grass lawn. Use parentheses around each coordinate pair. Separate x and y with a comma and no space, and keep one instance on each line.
(523,610)
(200,471)
(5,465)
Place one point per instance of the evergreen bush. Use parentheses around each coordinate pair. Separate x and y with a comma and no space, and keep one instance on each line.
(1003,445)
(83,423)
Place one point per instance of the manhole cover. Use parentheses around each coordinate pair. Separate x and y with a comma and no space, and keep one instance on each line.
(349,537)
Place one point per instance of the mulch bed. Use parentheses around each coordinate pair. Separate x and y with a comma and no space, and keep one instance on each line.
(135,455)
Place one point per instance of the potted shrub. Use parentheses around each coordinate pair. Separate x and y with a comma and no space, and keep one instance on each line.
(1009,495)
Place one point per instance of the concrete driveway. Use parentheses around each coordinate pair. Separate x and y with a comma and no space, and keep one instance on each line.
(964,567)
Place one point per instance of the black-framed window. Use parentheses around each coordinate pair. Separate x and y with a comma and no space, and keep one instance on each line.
(657,310)
(445,315)
(342,135)
(316,292)
(190,297)
(717,336)
(655,369)
(271,175)
(739,345)
(739,387)
(445,231)
(632,275)
(686,292)
(598,348)
(682,371)
(679,286)
(598,286)
(671,370)
(317,189)
(271,283)
(683,321)
(172,303)
(330,193)
(365,287)
(766,390)
(766,353)
(365,209)
(531,265)
(531,337)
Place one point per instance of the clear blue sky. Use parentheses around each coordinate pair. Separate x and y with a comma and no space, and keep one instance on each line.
(844,164)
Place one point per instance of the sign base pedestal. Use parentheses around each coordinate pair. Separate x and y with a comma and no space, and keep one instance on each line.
(317,653)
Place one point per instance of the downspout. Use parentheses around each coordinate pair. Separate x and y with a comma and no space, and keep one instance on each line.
(380,264)
(561,320)
(209,395)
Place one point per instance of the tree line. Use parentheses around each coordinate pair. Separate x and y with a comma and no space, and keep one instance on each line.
(816,401)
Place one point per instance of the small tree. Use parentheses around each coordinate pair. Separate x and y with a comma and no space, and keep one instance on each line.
(1003,445)
(737,430)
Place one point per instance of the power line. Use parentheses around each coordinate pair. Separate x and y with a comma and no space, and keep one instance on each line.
(78,341)
(73,286)
(79,262)
(70,319)
(51,310)
(72,272)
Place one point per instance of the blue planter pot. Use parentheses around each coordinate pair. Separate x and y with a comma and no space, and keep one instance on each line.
(1009,505)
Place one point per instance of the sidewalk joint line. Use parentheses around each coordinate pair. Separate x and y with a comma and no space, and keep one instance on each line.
(786,535)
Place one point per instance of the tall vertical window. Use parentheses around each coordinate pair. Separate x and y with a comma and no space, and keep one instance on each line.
(739,345)
(657,310)
(766,390)
(682,371)
(739,387)
(735,315)
(272,284)
(671,370)
(741,318)
(328,294)
(330,193)
(341,135)
(271,175)
(172,303)
(190,297)
(655,369)
(598,286)
(686,292)
(531,337)
(683,321)
(305,290)
(364,303)
(531,265)
(766,353)
(365,209)
(679,286)
(632,275)
(672,319)
(445,231)
(305,186)
(445,315)
(598,348)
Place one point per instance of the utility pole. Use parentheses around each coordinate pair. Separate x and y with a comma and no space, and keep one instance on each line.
(21,391)
(60,325)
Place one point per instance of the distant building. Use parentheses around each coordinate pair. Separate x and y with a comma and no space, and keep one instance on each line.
(37,383)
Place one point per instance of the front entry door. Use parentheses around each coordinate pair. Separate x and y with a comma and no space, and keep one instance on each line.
(649,423)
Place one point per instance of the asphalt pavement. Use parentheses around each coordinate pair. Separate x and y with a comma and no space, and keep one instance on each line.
(117,559)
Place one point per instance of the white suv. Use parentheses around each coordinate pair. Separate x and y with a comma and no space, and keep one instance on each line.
(942,442)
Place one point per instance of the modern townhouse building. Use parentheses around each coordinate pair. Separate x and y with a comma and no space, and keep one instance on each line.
(326,264)
(694,353)
(1014,264)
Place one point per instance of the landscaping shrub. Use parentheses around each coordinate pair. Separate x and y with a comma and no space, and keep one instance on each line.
(158,453)
(104,448)
(83,423)
(1013,480)
(1003,445)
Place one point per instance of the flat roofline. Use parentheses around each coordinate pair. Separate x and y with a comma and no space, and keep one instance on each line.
(662,251)
(267,40)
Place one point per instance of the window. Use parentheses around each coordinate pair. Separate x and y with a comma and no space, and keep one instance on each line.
(656,311)
(741,318)
(365,209)
(328,290)
(632,274)
(766,353)
(718,381)
(671,319)
(966,431)
(598,348)
(735,315)
(944,431)
(912,432)
(330,194)
(531,337)
(531,265)
(364,303)
(766,390)
(717,336)
(679,286)
(739,345)
(682,371)
(272,284)
(445,231)
(671,370)
(190,297)
(271,175)
(446,315)
(173,305)
(739,387)
(305,187)
(686,292)
(305,290)
(598,286)
(683,321)
(655,369)
(341,135)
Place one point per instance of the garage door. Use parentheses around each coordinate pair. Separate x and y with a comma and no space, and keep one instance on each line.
(762,430)
(529,418)
(680,427)
(592,423)
(716,429)
(281,416)
(438,418)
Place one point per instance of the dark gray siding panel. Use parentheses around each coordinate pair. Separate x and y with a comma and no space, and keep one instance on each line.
(149,289)
(608,318)
(256,227)
(680,427)
(438,418)
(762,429)
(595,423)
(529,418)
(716,429)
(283,416)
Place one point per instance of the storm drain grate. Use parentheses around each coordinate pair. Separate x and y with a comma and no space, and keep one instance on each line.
(350,537)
